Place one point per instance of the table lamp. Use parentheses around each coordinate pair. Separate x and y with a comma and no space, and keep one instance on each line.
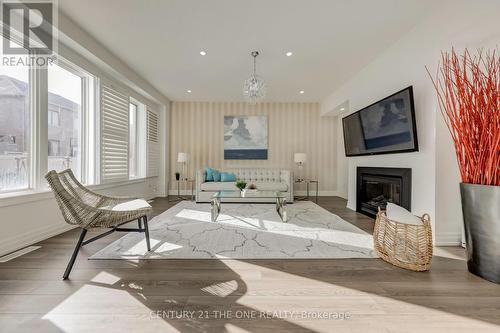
(183,158)
(300,159)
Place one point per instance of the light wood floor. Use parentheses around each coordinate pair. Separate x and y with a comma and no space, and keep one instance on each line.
(282,295)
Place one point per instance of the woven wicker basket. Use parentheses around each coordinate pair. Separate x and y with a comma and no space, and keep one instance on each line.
(403,245)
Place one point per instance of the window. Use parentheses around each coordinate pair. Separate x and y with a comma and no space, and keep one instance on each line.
(98,144)
(137,139)
(9,139)
(153,146)
(64,119)
(15,120)
(73,147)
(132,148)
(114,134)
(53,115)
(54,146)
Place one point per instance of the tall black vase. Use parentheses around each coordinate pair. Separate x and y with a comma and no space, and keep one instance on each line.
(481,210)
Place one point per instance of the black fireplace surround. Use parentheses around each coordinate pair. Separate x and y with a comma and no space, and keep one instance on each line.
(375,187)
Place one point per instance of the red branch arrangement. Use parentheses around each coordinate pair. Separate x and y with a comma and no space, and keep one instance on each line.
(468,90)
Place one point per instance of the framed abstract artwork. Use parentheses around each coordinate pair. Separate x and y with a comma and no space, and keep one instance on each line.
(245,137)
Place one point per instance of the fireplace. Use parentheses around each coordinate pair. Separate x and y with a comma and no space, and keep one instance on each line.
(375,187)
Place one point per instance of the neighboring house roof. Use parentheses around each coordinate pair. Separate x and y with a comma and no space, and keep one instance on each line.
(12,87)
(16,88)
(61,101)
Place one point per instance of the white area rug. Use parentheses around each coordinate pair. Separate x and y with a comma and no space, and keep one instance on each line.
(244,231)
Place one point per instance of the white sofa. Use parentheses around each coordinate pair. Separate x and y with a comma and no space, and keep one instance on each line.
(264,179)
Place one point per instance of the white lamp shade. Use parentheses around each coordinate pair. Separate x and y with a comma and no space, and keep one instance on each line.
(300,158)
(182,157)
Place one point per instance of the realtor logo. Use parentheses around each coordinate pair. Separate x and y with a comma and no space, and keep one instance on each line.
(30,24)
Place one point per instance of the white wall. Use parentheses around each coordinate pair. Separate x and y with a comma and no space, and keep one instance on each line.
(35,218)
(292,127)
(30,218)
(342,162)
(435,188)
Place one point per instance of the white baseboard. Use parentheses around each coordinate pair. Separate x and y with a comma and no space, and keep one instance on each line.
(449,239)
(183,192)
(18,253)
(26,235)
(312,193)
(296,193)
(31,237)
(342,195)
(37,235)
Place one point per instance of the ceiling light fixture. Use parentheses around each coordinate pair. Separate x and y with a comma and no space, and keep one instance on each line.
(203,53)
(301,92)
(289,54)
(188,91)
(342,109)
(254,88)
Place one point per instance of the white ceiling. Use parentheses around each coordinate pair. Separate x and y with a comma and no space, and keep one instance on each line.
(330,39)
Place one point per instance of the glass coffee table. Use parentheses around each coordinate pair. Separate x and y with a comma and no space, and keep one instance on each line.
(240,196)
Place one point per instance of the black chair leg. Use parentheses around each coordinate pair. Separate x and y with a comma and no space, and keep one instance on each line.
(139,223)
(146,230)
(74,255)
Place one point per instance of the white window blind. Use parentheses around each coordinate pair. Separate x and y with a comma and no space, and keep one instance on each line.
(153,145)
(114,134)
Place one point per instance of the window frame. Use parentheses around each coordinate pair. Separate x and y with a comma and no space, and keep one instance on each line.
(30,140)
(136,141)
(50,116)
(140,139)
(39,126)
(56,143)
(92,77)
(86,107)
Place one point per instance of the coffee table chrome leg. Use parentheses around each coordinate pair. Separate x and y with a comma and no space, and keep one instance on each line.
(215,209)
(212,210)
(285,211)
(282,209)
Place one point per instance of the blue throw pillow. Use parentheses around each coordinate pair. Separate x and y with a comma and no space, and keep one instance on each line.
(227,177)
(216,175)
(209,174)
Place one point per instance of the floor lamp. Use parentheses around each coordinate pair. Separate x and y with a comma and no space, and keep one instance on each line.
(183,159)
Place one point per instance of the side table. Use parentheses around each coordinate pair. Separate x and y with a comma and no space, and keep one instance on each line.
(179,197)
(308,183)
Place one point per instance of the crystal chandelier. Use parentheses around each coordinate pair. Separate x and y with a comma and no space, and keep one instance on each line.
(254,88)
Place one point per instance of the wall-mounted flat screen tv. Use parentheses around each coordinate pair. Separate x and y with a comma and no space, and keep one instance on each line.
(385,127)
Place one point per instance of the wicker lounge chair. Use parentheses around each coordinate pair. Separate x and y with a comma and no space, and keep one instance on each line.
(88,210)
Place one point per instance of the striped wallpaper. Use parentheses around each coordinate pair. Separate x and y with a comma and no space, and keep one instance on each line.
(197,128)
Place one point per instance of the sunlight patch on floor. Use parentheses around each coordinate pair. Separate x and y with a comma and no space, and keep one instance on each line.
(194,215)
(230,328)
(140,247)
(332,236)
(221,289)
(157,246)
(166,247)
(311,296)
(105,278)
(113,308)
(202,216)
(277,275)
(456,253)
